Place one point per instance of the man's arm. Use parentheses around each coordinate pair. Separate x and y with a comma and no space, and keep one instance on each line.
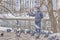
(31,14)
(41,14)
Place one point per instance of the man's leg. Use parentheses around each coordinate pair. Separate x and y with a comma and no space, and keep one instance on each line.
(38,27)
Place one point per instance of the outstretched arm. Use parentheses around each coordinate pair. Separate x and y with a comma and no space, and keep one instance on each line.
(31,14)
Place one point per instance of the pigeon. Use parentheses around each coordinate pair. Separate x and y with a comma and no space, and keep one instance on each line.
(9,30)
(27,31)
(2,34)
(53,38)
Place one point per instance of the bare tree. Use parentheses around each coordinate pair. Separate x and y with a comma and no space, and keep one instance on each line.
(58,21)
(9,9)
(0,1)
(49,6)
(51,15)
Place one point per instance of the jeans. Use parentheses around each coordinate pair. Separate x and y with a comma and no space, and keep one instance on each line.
(38,27)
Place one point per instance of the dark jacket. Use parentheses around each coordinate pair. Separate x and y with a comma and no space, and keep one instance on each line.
(38,16)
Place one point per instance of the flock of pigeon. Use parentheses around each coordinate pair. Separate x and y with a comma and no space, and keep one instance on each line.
(49,34)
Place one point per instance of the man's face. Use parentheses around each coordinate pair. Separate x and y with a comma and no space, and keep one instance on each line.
(36,10)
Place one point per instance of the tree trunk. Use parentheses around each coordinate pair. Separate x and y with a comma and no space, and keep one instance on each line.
(59,21)
(51,15)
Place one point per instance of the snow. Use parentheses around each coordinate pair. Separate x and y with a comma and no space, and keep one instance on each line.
(8,15)
(4,28)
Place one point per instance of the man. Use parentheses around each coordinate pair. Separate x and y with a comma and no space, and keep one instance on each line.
(38,16)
